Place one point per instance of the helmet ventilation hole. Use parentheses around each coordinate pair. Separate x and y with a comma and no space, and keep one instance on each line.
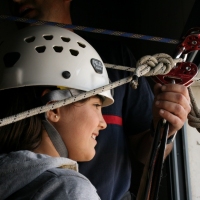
(74,52)
(11,58)
(58,49)
(29,39)
(40,49)
(64,39)
(81,45)
(48,37)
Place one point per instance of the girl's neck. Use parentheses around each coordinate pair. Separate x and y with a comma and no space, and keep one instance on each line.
(46,146)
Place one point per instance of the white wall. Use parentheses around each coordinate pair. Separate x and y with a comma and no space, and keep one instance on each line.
(193,137)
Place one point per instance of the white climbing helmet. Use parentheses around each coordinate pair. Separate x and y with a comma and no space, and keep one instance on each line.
(51,56)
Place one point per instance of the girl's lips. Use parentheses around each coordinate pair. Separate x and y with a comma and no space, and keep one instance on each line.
(94,135)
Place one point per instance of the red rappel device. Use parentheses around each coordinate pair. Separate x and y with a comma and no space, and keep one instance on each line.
(183,72)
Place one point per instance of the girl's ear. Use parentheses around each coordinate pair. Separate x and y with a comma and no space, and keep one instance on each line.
(52,115)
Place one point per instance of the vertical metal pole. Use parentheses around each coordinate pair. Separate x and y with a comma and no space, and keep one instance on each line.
(186,164)
(175,171)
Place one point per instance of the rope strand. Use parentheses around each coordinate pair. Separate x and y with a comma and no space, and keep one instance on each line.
(42,109)
(90,29)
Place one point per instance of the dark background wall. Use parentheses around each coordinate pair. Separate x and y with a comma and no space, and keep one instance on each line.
(5,26)
(166,18)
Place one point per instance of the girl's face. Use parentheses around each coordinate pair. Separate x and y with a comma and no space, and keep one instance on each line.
(79,125)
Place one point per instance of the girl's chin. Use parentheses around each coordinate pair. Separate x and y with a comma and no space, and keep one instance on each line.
(86,158)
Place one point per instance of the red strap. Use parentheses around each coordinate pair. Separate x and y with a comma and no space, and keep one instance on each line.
(112,119)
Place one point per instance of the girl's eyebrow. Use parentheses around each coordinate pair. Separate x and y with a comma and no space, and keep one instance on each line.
(100,98)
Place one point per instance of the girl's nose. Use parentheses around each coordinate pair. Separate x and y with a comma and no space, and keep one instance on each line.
(102,123)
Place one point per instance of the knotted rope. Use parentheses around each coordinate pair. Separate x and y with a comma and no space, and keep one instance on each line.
(157,64)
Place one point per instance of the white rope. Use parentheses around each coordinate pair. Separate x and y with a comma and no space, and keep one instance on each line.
(42,109)
(119,67)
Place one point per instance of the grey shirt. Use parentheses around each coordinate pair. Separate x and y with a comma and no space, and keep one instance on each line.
(26,175)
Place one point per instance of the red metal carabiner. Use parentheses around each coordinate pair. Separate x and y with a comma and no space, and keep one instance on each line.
(182,74)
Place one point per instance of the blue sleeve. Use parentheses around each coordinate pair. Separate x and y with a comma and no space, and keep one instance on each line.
(137,110)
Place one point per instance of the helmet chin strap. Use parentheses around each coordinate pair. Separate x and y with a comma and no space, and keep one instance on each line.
(53,134)
(55,138)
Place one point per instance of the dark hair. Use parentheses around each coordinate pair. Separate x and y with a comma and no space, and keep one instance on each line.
(25,134)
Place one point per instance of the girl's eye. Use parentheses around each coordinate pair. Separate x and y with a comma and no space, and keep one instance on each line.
(97,105)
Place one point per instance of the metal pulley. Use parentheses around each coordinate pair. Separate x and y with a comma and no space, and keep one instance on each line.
(183,73)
